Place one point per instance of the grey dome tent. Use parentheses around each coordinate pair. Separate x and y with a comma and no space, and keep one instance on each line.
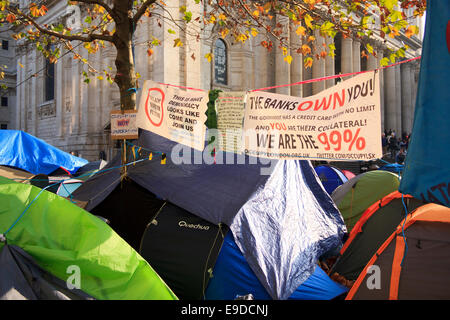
(283,222)
(21,278)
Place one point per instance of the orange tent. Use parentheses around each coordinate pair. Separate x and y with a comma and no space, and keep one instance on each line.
(413,263)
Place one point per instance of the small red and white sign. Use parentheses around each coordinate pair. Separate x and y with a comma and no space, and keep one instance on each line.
(123,124)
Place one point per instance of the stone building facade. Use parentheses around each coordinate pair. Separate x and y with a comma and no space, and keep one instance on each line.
(54,103)
(8,88)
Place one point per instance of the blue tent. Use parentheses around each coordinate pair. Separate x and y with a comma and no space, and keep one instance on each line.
(330,177)
(232,277)
(68,186)
(24,151)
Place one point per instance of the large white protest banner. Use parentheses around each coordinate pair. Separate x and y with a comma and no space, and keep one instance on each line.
(340,123)
(174,114)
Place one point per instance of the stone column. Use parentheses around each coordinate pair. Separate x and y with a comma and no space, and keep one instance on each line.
(382,91)
(84,103)
(347,56)
(264,65)
(398,104)
(329,64)
(142,62)
(318,67)
(307,87)
(407,108)
(59,97)
(247,71)
(33,94)
(101,89)
(167,69)
(356,56)
(193,71)
(282,68)
(20,106)
(390,99)
(24,87)
(94,97)
(75,96)
(297,64)
(372,62)
(172,55)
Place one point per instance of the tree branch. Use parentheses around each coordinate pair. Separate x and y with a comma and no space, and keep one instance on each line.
(89,38)
(142,10)
(111,12)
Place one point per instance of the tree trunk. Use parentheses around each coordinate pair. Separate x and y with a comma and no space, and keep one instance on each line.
(125,76)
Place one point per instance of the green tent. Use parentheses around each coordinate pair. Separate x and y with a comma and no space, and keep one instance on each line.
(357,194)
(59,235)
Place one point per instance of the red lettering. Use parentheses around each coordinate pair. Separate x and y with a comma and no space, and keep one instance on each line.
(308,107)
(323,103)
(338,98)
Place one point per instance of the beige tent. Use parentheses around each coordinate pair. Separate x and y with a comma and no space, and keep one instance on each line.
(39,180)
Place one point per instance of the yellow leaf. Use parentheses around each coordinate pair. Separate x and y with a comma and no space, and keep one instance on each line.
(311,38)
(394,32)
(284,51)
(209,56)
(308,62)
(222,17)
(99,9)
(241,37)
(256,13)
(308,20)
(300,31)
(288,59)
(34,10)
(21,65)
(100,78)
(224,32)
(412,30)
(306,49)
(177,43)
(254,32)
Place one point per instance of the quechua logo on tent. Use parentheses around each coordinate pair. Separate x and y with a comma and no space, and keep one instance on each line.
(192,226)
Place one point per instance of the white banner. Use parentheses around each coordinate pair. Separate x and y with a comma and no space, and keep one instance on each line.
(340,123)
(230,116)
(174,114)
